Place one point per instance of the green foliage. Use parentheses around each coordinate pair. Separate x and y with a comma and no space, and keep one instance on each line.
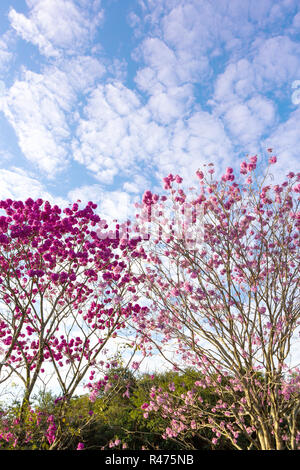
(116,414)
(122,417)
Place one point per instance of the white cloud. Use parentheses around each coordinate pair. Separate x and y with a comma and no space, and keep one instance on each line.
(248,121)
(36,112)
(18,185)
(267,70)
(193,142)
(56,25)
(237,81)
(122,100)
(146,80)
(274,68)
(40,109)
(5,56)
(82,72)
(285,140)
(137,184)
(118,133)
(186,34)
(172,104)
(239,92)
(104,142)
(111,204)
(29,31)
(180,26)
(161,59)
(189,33)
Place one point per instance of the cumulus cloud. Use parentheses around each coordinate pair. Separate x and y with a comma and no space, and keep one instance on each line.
(171,104)
(5,56)
(112,205)
(16,184)
(178,55)
(29,31)
(239,97)
(39,108)
(248,121)
(161,60)
(119,133)
(136,185)
(56,25)
(35,109)
(276,69)
(285,140)
(265,71)
(104,143)
(82,72)
(188,34)
(194,141)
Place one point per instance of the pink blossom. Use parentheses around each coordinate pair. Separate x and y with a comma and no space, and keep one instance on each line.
(135,365)
(262,309)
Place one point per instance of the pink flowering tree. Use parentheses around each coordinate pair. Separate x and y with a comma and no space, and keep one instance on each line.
(222,279)
(66,292)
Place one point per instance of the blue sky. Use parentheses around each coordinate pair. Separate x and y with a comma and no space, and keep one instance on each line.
(100,99)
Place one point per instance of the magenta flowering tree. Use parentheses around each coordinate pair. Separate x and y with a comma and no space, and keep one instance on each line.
(222,277)
(66,293)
